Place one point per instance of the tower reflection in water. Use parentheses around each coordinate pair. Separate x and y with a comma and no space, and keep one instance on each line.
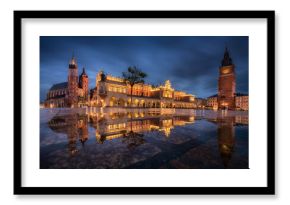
(226,140)
(131,127)
(74,126)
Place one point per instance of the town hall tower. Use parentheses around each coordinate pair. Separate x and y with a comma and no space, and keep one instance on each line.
(226,83)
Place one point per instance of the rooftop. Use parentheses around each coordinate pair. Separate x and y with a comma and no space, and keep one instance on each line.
(213,96)
(58,86)
(241,94)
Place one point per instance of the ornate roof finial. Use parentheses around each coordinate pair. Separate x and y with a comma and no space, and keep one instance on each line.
(101,75)
(167,84)
(84,71)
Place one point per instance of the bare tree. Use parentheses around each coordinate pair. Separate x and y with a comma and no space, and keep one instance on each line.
(133,76)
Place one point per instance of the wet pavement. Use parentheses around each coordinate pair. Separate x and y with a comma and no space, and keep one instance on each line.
(203,139)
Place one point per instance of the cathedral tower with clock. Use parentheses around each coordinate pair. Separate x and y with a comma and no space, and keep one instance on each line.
(226,83)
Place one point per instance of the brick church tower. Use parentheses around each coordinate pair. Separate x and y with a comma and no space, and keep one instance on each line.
(84,84)
(73,83)
(226,83)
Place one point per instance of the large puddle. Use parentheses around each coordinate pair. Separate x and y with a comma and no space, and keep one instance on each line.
(202,139)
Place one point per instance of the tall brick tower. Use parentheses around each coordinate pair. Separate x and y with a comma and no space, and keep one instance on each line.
(73,83)
(226,83)
(84,84)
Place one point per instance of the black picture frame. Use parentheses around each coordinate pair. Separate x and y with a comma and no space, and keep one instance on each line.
(269,189)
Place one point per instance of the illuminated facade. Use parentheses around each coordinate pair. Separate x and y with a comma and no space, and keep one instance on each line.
(212,102)
(200,103)
(242,101)
(111,91)
(73,93)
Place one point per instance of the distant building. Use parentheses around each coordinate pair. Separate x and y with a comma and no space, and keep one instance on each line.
(242,101)
(200,103)
(73,93)
(212,102)
(41,105)
(226,83)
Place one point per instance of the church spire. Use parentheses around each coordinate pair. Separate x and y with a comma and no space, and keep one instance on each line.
(84,71)
(227,60)
(73,62)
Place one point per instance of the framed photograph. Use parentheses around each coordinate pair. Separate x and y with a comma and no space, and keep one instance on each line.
(144,102)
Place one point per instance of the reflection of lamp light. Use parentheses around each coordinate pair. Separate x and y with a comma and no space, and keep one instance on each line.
(167,131)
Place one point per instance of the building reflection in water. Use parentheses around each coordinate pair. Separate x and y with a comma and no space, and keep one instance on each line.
(74,126)
(121,124)
(226,135)
(130,127)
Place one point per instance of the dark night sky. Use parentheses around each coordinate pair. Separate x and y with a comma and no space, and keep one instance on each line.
(190,62)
